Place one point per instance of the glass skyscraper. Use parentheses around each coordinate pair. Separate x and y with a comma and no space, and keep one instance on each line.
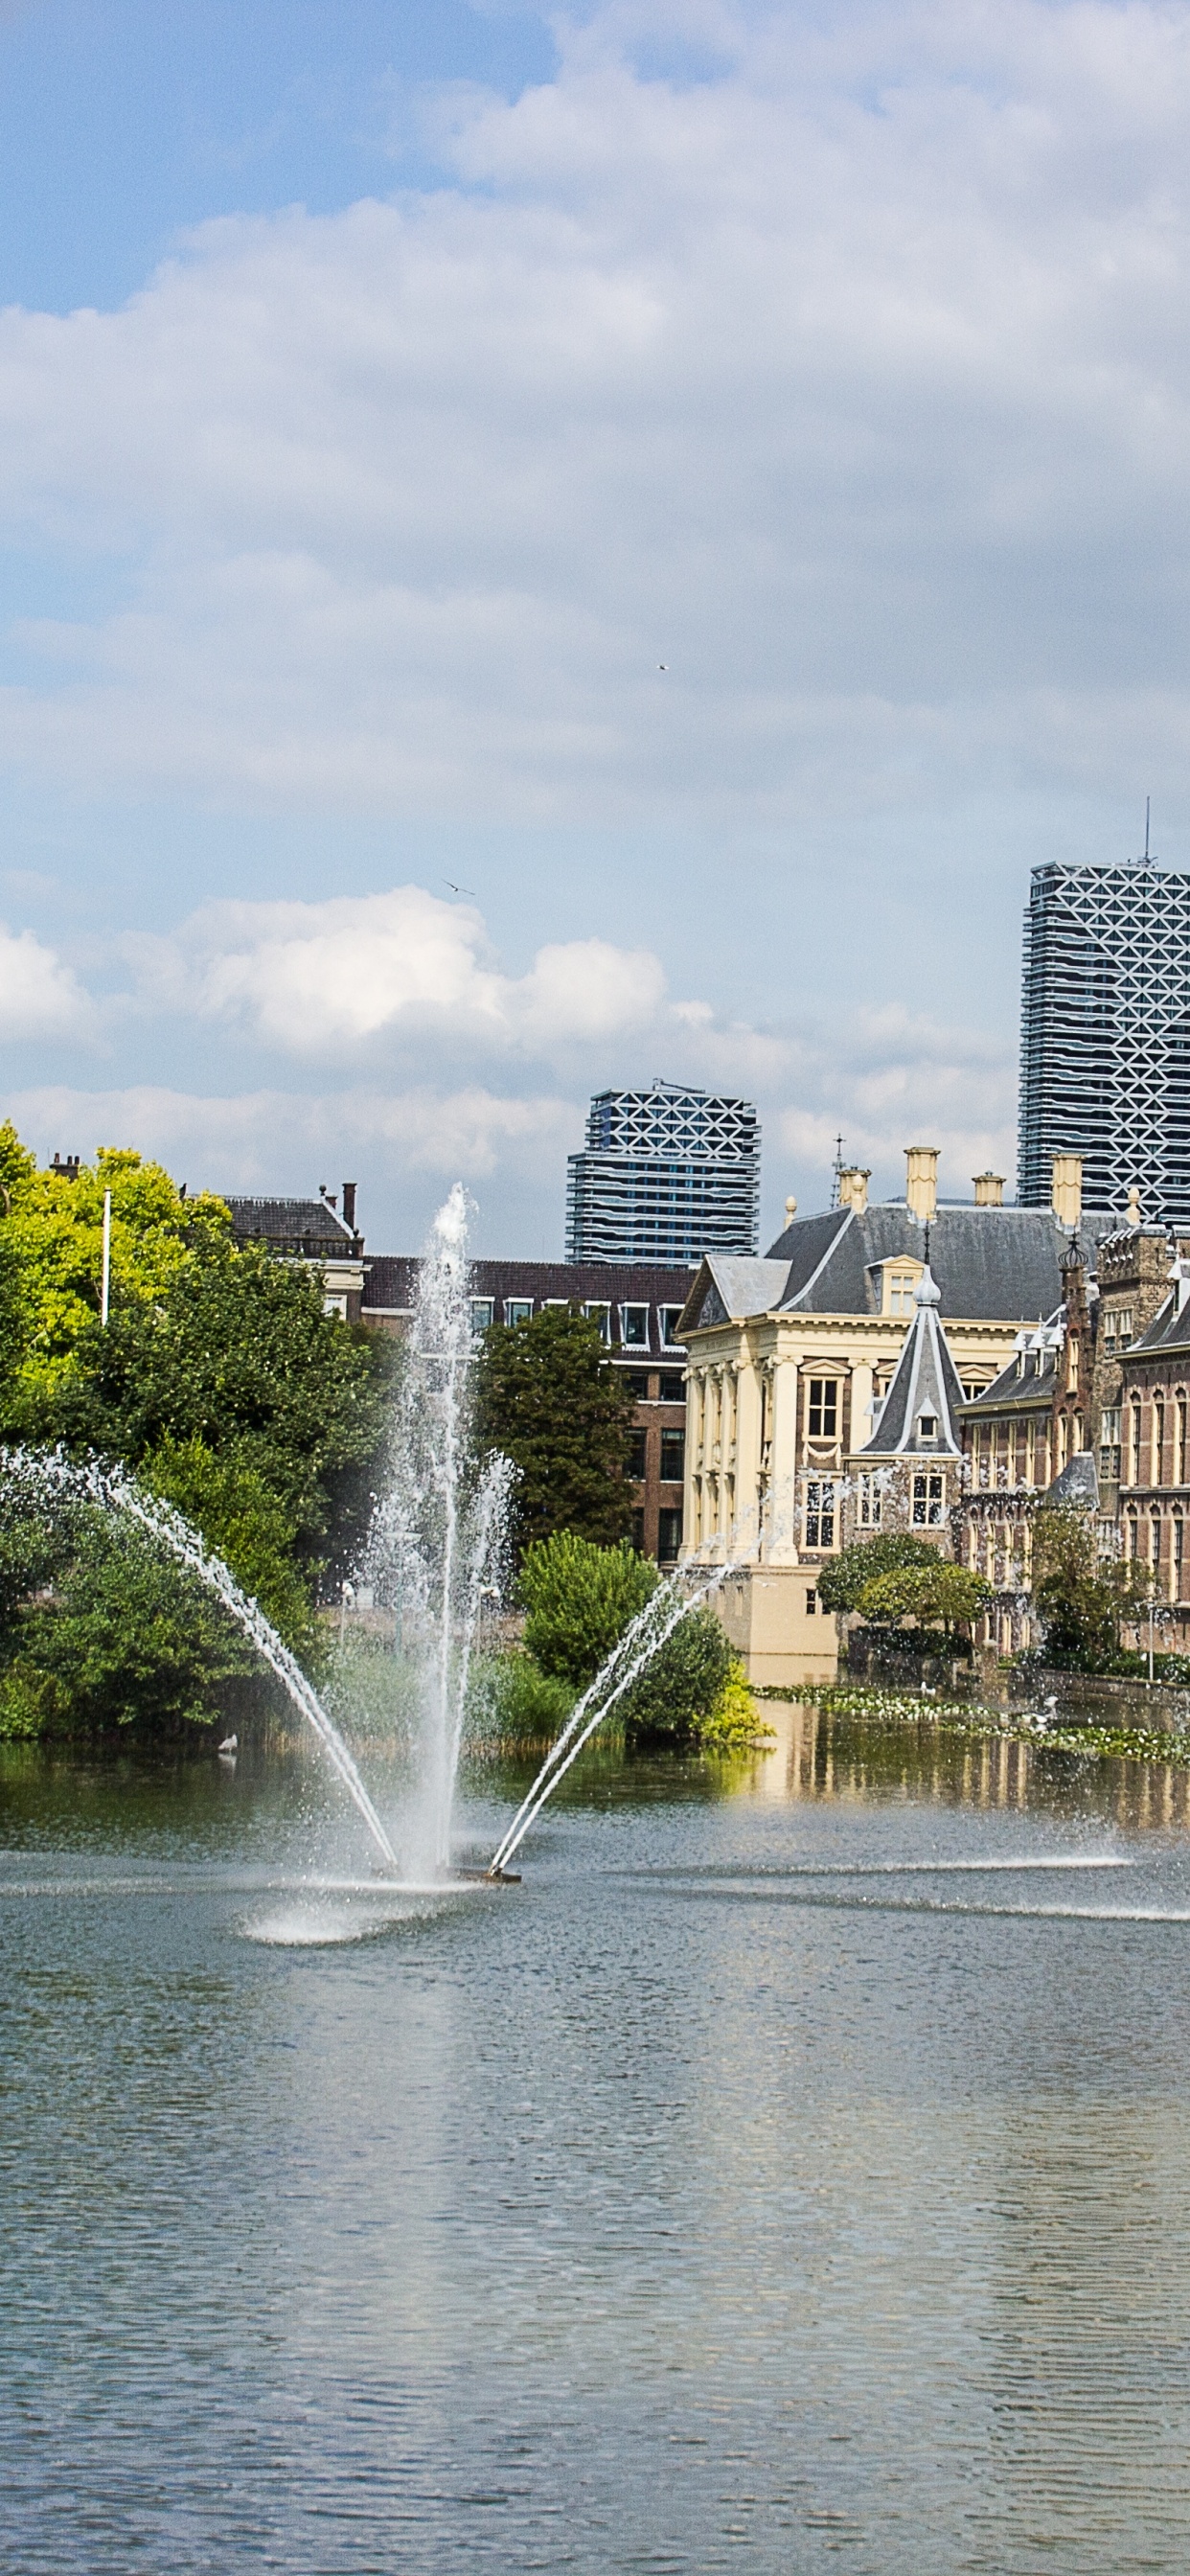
(666,1175)
(1105,1037)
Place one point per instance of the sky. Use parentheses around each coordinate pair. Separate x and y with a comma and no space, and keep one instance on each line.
(544,550)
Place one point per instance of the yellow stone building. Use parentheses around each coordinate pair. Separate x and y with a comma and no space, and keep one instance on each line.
(790,1359)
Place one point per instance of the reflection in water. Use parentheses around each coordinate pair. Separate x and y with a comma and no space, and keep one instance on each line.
(795,2170)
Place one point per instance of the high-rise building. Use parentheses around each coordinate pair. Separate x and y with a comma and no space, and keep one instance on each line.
(1105,1037)
(666,1175)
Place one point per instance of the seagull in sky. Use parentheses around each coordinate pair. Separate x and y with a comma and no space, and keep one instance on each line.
(663,666)
(449,881)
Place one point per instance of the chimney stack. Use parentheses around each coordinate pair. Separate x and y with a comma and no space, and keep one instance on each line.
(921,1182)
(853,1188)
(1067,1199)
(349,1204)
(989,1189)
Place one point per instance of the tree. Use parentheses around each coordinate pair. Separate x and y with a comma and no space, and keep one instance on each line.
(1081,1596)
(938,1595)
(579,1599)
(548,1396)
(682,1684)
(51,1228)
(841,1582)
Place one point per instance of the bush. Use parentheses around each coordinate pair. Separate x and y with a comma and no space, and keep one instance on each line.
(734,1725)
(681,1687)
(515,1702)
(579,1599)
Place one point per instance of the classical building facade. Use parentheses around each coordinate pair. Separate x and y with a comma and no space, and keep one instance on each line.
(791,1358)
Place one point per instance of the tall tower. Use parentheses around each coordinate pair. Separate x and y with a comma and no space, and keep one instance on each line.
(666,1176)
(1105,1036)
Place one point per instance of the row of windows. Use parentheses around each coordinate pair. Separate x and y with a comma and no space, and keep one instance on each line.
(673,1455)
(927,1505)
(633,1319)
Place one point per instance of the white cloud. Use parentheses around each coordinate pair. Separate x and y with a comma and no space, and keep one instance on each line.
(312,978)
(852,381)
(39,996)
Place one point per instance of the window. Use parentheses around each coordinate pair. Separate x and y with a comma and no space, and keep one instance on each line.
(973,1388)
(638,1380)
(1157,1466)
(812,1603)
(929,1494)
(638,1448)
(823,1418)
(1177,1544)
(820,1512)
(335,1306)
(1117,1328)
(669,1536)
(518,1310)
(673,1388)
(671,1317)
(899,1286)
(634,1327)
(482,1312)
(673,1456)
(1072,1363)
(1110,1432)
(927,1426)
(867,1510)
(1134,1444)
(638,1532)
(598,1313)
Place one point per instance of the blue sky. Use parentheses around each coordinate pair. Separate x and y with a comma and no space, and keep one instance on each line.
(387,394)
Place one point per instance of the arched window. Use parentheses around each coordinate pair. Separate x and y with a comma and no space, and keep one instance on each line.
(1134,1441)
(1177,1544)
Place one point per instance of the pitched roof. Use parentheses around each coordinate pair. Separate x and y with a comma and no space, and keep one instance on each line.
(925,1389)
(1027,1384)
(1170,1327)
(991,1262)
(307,1227)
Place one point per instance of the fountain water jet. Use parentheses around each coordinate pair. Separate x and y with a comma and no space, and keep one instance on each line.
(58,1478)
(439,1537)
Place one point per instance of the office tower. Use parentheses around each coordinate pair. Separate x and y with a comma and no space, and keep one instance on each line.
(666,1175)
(1105,1037)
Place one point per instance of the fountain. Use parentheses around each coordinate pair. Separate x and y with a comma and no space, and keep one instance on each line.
(57,1478)
(439,1537)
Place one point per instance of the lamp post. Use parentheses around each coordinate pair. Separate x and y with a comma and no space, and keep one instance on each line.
(105,1282)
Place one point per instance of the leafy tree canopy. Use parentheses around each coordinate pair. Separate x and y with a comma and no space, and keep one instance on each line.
(51,1229)
(841,1582)
(938,1595)
(1082,1597)
(548,1396)
(579,1599)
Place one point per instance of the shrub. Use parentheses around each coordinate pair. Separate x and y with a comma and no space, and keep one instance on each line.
(579,1599)
(514,1701)
(681,1686)
(938,1595)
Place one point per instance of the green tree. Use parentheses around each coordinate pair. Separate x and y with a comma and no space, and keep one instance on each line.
(938,1595)
(1082,1597)
(548,1396)
(683,1683)
(841,1582)
(579,1599)
(51,1229)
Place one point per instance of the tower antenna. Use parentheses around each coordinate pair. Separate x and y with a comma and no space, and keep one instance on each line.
(837,1169)
(1149,857)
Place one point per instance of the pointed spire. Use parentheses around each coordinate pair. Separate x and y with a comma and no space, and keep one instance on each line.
(919,1416)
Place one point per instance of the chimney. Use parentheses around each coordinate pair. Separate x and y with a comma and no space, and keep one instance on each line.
(989,1189)
(853,1188)
(349,1204)
(1067,1198)
(921,1182)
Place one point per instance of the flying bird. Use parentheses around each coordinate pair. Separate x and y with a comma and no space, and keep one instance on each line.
(663,666)
(449,881)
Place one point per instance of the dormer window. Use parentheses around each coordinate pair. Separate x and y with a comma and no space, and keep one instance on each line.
(927,1426)
(898,1283)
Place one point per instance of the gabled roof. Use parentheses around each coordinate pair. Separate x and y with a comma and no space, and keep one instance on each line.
(1028,1383)
(925,1389)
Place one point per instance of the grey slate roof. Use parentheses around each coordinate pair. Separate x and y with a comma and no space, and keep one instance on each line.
(996,1263)
(306,1227)
(1030,1378)
(925,1387)
(1078,1483)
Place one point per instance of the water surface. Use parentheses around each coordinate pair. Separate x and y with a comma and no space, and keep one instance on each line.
(794,2171)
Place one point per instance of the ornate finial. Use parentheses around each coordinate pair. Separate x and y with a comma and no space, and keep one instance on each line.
(790,1210)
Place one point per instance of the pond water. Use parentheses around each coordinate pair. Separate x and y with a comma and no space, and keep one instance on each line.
(792,2173)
